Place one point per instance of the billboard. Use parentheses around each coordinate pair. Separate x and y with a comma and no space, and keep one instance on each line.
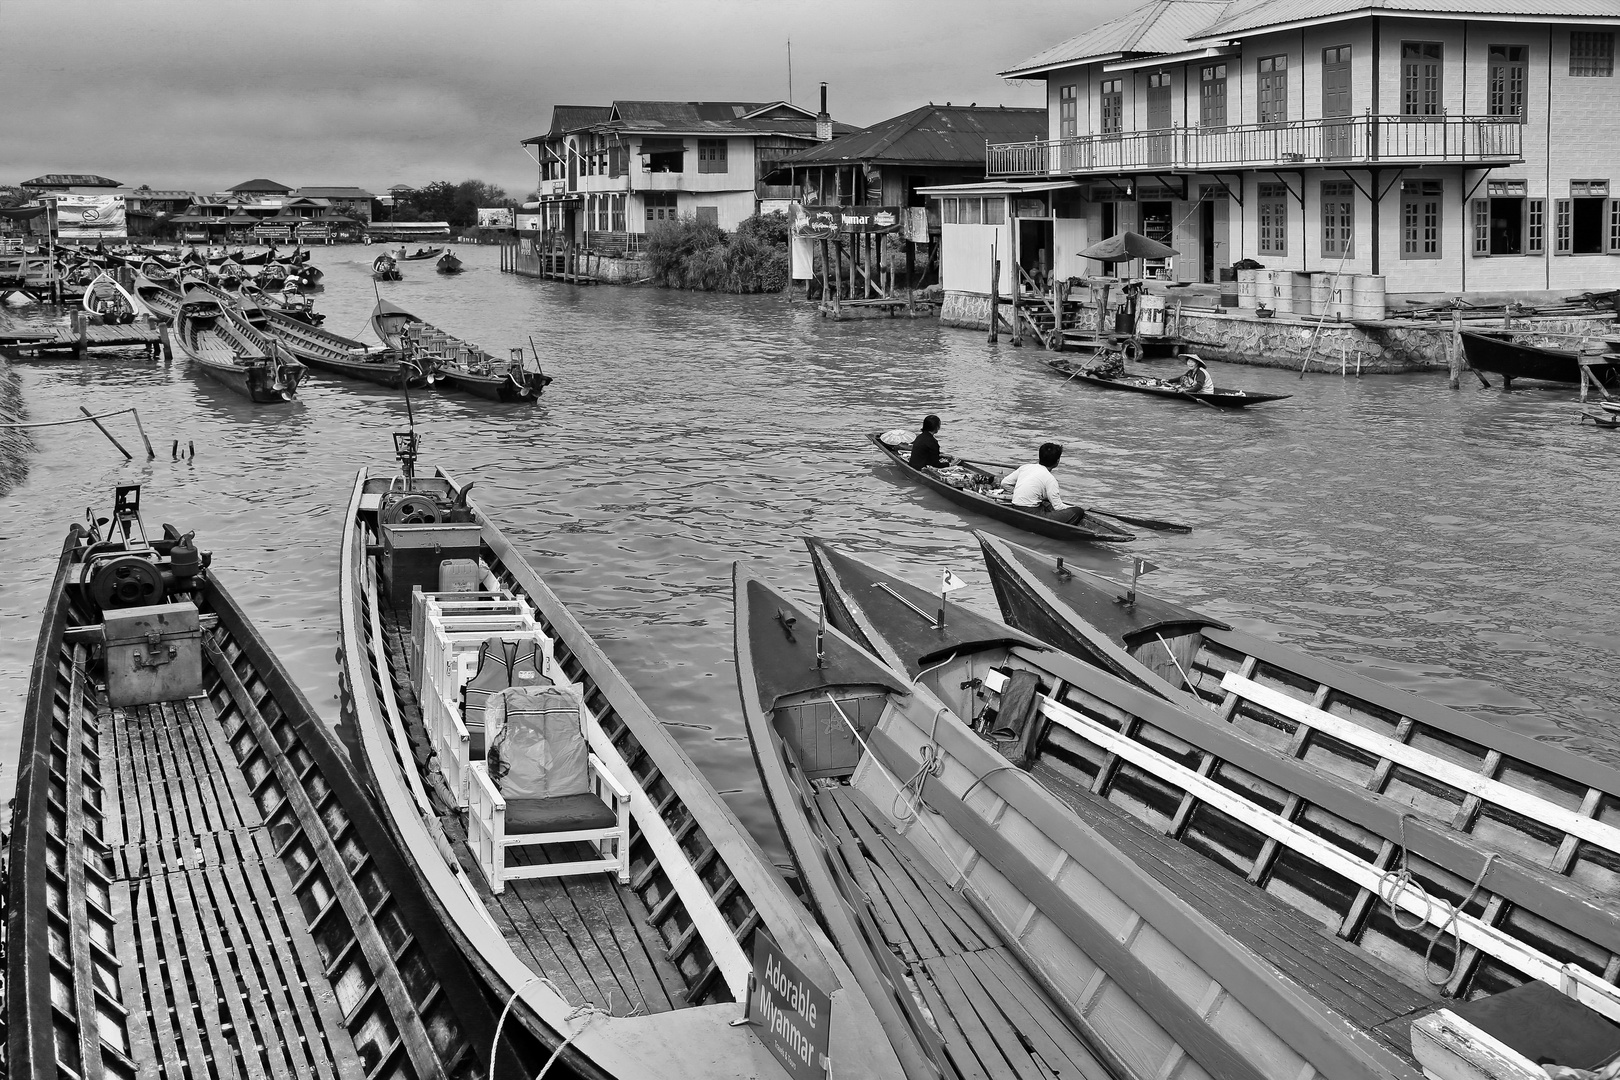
(820,222)
(495,217)
(90,217)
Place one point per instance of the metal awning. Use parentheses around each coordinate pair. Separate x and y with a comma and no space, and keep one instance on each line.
(999,187)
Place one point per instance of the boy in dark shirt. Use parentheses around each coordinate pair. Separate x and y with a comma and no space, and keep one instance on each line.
(925,447)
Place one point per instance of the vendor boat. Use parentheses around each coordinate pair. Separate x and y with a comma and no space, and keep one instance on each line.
(460,364)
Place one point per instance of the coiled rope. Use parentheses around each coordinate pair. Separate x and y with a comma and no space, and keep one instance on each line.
(1399,880)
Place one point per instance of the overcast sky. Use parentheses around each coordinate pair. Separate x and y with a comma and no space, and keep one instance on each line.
(203,94)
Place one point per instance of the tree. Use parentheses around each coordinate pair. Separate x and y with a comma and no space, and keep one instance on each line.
(455,203)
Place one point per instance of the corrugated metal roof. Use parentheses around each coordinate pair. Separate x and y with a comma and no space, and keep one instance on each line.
(1250,17)
(332,193)
(932,134)
(1160,26)
(260,184)
(55,180)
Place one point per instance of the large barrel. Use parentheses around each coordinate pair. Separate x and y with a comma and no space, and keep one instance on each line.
(1301,285)
(1282,291)
(1321,293)
(1229,289)
(1246,286)
(1367,297)
(1150,315)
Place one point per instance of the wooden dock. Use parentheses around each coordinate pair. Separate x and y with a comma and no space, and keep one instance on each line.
(79,336)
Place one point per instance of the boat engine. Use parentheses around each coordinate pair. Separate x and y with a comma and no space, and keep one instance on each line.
(123,569)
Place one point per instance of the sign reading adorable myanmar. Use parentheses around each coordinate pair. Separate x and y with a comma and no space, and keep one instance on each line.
(790,1012)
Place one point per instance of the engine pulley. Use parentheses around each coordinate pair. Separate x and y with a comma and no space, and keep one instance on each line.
(412,510)
(126,581)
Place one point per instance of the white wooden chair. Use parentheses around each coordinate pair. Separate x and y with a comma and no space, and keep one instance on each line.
(592,807)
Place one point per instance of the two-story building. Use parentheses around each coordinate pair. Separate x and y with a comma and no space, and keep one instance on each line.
(607,173)
(1457,147)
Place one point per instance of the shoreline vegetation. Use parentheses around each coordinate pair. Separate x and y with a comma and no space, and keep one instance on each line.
(689,254)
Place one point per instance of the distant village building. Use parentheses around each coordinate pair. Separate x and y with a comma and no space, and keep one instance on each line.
(607,173)
(259,188)
(1446,147)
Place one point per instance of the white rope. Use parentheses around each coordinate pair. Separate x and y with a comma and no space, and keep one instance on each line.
(496,1042)
(587,1010)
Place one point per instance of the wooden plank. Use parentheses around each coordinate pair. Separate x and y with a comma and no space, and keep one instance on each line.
(914,934)
(330,1046)
(233,910)
(244,998)
(207,770)
(959,1054)
(1031,1012)
(532,914)
(1276,1005)
(971,1016)
(131,992)
(669,977)
(78,918)
(377,956)
(846,848)
(942,935)
(209,987)
(641,962)
(154,969)
(179,981)
(1465,780)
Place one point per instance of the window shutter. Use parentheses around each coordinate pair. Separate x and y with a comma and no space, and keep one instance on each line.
(1614,227)
(1535,242)
(1563,213)
(1482,227)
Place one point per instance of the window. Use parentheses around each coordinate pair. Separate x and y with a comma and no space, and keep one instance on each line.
(1535,229)
(1508,223)
(617,224)
(1068,114)
(948,212)
(712,155)
(1591,53)
(1273,89)
(660,205)
(995,211)
(1586,221)
(1420,78)
(1158,100)
(970,211)
(1504,88)
(1113,105)
(708,215)
(1273,219)
(1421,218)
(1338,218)
(1212,96)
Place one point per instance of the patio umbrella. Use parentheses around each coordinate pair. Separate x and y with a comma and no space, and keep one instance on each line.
(1128,245)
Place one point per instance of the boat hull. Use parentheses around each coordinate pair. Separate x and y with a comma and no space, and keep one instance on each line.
(1091,529)
(1220,399)
(1511,360)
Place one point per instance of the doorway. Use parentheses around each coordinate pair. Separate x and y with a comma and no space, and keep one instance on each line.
(1110,227)
(1035,250)
(1336,139)
(1156,225)
(1213,238)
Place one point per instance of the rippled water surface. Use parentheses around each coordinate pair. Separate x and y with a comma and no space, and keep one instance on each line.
(1461,544)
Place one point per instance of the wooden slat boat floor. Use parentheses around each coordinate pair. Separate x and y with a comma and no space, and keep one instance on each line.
(1366,994)
(588,934)
(225,981)
(994,1020)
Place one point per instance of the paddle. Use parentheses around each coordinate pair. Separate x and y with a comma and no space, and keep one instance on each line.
(1140,522)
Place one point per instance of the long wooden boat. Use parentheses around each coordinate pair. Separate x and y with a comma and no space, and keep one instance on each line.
(1025,929)
(983,494)
(1312,826)
(322,349)
(1142,384)
(1525,796)
(383,268)
(419,254)
(222,344)
(659,948)
(107,300)
(1519,360)
(460,364)
(449,263)
(199,885)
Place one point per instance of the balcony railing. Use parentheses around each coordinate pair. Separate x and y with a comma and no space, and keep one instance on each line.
(1397,140)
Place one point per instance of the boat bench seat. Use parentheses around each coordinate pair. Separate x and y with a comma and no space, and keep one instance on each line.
(558,813)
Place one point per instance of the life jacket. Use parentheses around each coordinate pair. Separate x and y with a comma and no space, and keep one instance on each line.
(528,665)
(494,674)
(539,750)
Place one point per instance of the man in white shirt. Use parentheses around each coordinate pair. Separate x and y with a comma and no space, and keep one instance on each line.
(1034,487)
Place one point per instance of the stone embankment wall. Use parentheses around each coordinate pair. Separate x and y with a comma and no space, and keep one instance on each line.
(1391,345)
(604,268)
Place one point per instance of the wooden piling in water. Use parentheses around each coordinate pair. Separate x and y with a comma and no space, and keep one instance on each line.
(103,429)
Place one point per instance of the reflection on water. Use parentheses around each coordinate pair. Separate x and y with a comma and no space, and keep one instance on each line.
(1458,544)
